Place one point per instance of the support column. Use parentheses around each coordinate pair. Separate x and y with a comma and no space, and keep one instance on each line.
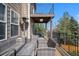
(46,27)
(46,36)
(51,29)
(29,24)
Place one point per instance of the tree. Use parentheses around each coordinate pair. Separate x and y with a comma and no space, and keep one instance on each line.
(39,29)
(68,26)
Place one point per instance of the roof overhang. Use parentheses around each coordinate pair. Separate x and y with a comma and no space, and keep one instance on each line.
(46,18)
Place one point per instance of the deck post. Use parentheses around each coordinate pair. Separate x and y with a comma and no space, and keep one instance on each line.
(51,29)
(46,30)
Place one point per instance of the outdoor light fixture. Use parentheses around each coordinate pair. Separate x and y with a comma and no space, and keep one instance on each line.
(24,19)
(26,26)
(41,20)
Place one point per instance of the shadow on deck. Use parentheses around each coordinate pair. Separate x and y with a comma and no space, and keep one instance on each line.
(50,43)
(45,48)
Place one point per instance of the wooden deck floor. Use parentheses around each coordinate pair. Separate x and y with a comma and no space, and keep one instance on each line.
(30,49)
(44,50)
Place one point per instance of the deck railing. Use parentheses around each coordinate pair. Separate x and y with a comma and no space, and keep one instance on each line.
(70,43)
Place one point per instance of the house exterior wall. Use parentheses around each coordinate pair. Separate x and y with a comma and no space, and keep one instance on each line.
(16,7)
(32,11)
(22,10)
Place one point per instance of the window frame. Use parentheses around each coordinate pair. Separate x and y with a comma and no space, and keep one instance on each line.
(14,23)
(5,21)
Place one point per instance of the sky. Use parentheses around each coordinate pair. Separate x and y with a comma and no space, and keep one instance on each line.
(59,9)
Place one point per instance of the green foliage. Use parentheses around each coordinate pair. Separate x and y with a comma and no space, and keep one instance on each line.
(39,29)
(68,26)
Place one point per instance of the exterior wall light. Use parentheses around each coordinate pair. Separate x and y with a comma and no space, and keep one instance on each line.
(24,19)
(41,20)
(25,25)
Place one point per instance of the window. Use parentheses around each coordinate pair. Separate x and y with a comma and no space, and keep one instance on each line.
(2,22)
(2,12)
(14,23)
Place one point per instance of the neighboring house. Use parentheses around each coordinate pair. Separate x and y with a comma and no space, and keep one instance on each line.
(13,18)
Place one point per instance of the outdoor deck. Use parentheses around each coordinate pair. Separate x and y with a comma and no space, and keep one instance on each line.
(39,48)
